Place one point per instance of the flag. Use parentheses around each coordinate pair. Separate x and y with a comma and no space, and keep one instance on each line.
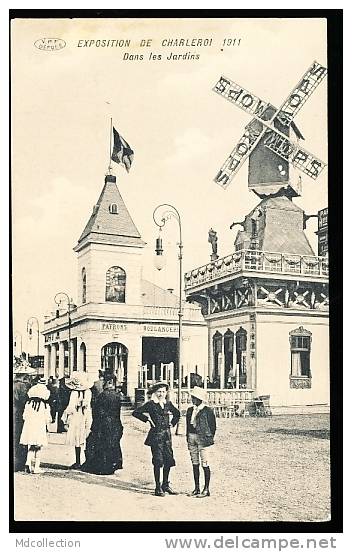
(121,153)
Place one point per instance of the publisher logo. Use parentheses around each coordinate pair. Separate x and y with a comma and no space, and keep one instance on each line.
(50,44)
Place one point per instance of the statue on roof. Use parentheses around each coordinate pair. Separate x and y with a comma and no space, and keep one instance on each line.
(213,240)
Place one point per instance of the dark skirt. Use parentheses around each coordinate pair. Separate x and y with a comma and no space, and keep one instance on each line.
(161,447)
(103,449)
(20,451)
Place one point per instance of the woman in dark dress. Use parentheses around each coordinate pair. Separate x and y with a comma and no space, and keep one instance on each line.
(20,389)
(103,450)
(161,414)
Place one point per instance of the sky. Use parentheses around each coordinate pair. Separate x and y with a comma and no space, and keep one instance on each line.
(180,130)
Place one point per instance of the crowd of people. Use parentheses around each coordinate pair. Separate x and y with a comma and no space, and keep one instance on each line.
(90,415)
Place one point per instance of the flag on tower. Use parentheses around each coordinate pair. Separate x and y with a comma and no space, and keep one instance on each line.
(122,152)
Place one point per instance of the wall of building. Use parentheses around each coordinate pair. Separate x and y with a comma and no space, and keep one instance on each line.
(274,359)
(195,350)
(97,259)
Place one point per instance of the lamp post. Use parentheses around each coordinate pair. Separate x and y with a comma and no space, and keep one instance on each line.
(17,334)
(30,322)
(165,212)
(58,302)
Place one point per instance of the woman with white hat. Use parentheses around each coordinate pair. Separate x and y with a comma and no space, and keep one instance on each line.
(158,412)
(200,431)
(36,416)
(78,413)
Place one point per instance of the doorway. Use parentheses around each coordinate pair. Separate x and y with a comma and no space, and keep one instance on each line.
(114,357)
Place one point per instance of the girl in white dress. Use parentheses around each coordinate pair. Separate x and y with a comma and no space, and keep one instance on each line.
(36,416)
(78,414)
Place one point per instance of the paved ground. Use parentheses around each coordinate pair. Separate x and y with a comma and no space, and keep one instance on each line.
(262,469)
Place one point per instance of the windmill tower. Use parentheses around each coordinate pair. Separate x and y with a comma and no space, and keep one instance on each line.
(266,303)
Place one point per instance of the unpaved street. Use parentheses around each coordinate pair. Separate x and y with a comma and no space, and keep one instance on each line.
(262,469)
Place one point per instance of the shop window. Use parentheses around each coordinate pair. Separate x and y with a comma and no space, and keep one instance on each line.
(84,285)
(115,285)
(300,343)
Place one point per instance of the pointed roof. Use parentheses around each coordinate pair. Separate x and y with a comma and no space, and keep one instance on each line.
(280,227)
(106,226)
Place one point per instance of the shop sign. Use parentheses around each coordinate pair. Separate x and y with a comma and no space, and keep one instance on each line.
(164,329)
(113,326)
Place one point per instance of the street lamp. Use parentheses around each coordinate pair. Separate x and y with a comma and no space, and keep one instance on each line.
(16,336)
(58,301)
(30,322)
(165,212)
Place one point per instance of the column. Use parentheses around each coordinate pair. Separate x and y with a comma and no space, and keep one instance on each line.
(52,360)
(79,363)
(210,355)
(61,359)
(46,361)
(134,360)
(171,375)
(222,365)
(55,351)
(72,356)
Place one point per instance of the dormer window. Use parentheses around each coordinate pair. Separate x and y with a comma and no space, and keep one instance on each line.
(113,209)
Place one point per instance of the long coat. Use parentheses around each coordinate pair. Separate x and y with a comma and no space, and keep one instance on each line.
(78,416)
(20,389)
(103,452)
(205,425)
(159,437)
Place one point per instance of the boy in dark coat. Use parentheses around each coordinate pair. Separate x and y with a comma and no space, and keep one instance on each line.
(200,430)
(158,411)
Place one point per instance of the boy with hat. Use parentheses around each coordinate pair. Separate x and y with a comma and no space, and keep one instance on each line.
(158,411)
(200,431)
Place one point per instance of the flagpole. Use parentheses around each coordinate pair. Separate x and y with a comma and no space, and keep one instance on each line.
(110,152)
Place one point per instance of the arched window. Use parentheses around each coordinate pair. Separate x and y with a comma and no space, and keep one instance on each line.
(115,285)
(300,343)
(84,285)
(113,209)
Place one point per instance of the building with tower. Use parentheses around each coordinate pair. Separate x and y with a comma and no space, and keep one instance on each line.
(120,321)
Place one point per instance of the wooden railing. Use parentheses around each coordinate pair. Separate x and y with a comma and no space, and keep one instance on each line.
(216,397)
(258,261)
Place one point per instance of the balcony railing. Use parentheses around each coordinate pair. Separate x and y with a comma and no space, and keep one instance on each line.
(258,261)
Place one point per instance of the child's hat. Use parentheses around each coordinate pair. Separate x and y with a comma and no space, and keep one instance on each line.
(158,385)
(199,393)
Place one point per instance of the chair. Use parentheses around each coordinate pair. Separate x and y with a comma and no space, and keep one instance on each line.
(266,404)
(230,410)
(262,406)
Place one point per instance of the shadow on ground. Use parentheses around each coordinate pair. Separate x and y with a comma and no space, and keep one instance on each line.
(317,433)
(91,479)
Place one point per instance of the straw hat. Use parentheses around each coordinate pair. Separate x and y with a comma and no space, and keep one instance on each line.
(158,385)
(39,391)
(79,382)
(24,370)
(199,393)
